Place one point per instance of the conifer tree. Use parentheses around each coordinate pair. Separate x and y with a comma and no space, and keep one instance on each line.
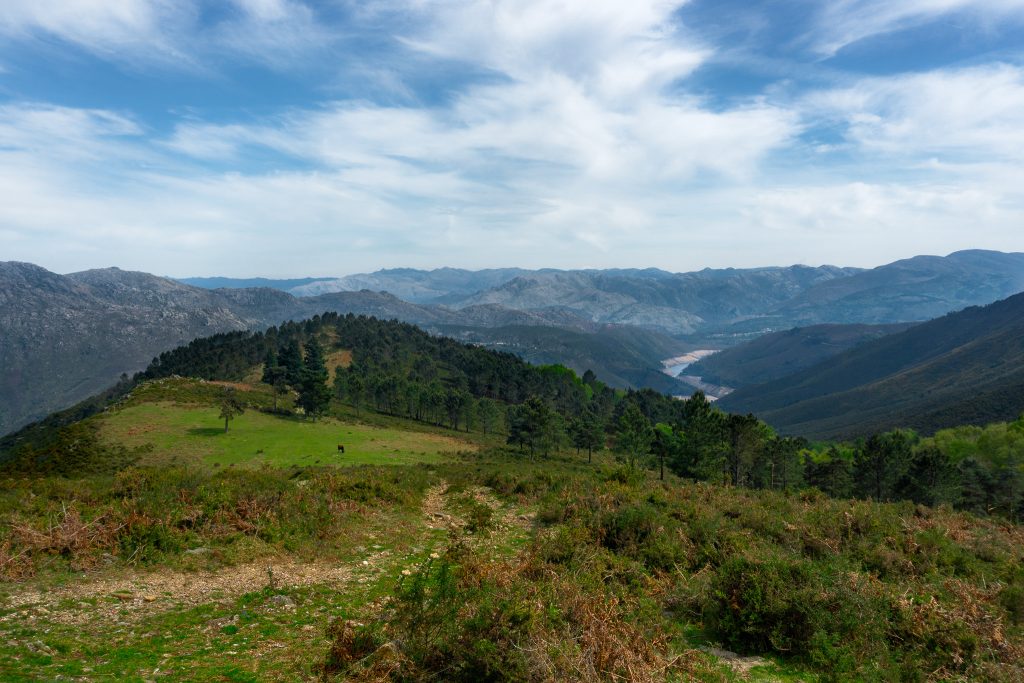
(291,361)
(314,394)
(269,363)
(635,435)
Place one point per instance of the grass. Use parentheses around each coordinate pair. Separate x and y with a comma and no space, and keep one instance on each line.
(181,433)
(234,636)
(554,569)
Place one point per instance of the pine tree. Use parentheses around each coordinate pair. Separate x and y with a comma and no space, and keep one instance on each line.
(314,394)
(635,435)
(291,361)
(269,363)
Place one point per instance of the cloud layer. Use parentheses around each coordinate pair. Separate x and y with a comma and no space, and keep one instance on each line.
(483,133)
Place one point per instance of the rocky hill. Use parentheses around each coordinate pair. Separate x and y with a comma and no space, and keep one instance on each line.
(679,304)
(66,337)
(919,288)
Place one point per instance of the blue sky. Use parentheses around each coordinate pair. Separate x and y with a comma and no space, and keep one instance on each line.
(289,138)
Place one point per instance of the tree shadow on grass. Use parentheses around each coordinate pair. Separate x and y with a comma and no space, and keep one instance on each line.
(206,431)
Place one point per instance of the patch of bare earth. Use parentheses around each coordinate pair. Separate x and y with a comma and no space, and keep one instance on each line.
(738,663)
(135,596)
(439,516)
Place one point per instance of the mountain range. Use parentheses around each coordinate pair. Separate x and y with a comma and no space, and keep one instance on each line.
(65,337)
(778,354)
(721,306)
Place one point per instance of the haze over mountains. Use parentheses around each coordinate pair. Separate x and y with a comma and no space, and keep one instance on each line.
(65,337)
(727,303)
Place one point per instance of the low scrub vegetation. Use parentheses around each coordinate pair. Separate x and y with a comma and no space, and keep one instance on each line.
(150,515)
(620,569)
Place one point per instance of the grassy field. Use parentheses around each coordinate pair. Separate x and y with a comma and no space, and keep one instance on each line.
(181,434)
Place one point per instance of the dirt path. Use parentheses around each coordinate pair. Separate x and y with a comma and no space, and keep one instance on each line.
(139,594)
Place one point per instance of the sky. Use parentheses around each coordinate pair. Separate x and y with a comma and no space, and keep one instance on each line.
(287,138)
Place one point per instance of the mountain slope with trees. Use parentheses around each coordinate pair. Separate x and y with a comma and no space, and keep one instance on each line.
(66,337)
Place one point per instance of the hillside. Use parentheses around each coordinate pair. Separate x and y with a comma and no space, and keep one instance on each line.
(621,355)
(66,337)
(431,549)
(778,354)
(965,367)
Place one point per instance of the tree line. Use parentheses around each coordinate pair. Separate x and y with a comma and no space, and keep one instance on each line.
(398,369)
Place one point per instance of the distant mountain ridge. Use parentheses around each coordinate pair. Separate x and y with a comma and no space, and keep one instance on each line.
(963,368)
(439,286)
(63,338)
(246,283)
(66,337)
(719,306)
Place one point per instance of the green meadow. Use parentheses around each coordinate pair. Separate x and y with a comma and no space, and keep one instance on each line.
(180,434)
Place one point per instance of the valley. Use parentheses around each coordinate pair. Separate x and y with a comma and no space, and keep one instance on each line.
(676,367)
(619,323)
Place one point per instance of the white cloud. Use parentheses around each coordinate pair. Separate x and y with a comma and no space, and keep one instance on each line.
(279,33)
(863,221)
(144,29)
(171,33)
(958,114)
(578,147)
(843,22)
(67,135)
(612,49)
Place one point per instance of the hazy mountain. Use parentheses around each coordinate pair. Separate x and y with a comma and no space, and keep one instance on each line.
(66,337)
(673,303)
(719,307)
(242,283)
(778,354)
(442,285)
(965,367)
(919,288)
